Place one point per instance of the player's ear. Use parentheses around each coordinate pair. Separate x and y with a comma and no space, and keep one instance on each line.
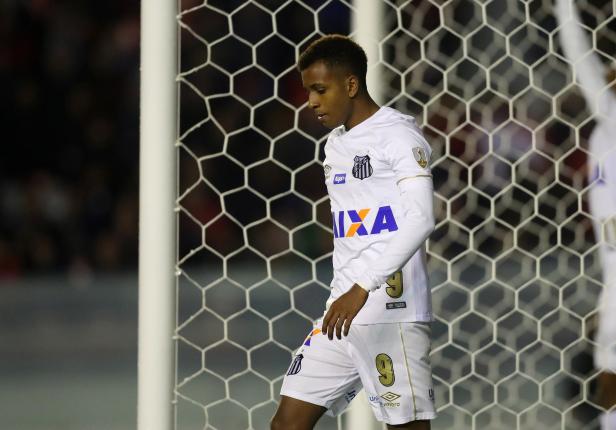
(352,86)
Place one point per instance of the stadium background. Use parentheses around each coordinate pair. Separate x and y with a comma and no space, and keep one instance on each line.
(68,198)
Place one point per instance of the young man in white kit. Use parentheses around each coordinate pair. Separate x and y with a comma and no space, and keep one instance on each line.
(380,187)
(600,97)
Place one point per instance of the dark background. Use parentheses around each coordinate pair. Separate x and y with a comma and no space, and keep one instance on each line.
(514,272)
(69,153)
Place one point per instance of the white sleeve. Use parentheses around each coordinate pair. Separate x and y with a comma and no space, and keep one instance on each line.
(408,153)
(418,207)
(587,67)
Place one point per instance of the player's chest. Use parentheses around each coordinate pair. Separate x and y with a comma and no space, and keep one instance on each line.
(351,167)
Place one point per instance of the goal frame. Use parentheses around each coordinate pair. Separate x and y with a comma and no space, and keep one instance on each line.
(157,219)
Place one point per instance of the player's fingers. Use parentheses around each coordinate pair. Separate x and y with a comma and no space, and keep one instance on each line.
(326,321)
(331,326)
(339,324)
(347,326)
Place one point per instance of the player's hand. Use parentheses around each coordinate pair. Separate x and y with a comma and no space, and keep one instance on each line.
(342,312)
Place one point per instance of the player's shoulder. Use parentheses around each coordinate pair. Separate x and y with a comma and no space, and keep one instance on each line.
(391,121)
(396,127)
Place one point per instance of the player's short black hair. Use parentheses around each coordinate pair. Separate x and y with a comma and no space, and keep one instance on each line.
(336,50)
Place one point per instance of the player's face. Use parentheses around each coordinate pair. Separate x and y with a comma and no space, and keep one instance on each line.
(328,94)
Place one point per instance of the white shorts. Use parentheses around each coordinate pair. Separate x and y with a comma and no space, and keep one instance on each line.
(391,361)
(605,350)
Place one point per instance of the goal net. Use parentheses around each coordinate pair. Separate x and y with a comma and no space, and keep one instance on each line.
(513,261)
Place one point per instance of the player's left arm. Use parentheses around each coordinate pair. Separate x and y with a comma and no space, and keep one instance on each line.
(408,154)
(414,183)
(418,223)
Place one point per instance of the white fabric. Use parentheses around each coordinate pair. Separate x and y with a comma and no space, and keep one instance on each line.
(414,229)
(587,67)
(330,373)
(382,214)
(601,100)
(608,420)
(602,202)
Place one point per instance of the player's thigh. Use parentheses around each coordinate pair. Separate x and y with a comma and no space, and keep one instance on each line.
(394,365)
(413,425)
(322,373)
(295,414)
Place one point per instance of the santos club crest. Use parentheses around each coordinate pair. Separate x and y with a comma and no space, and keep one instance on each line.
(362,168)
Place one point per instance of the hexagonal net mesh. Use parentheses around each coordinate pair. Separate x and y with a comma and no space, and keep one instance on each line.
(514,268)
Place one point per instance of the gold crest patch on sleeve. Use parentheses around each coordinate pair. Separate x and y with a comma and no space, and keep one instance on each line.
(420,156)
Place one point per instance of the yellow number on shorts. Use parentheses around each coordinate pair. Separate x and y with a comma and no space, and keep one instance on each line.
(385,367)
(395,285)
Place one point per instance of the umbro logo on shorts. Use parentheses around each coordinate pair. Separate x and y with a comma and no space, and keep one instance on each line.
(296,366)
(386,400)
(390,397)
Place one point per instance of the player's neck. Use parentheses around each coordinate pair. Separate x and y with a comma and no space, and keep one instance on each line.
(363,109)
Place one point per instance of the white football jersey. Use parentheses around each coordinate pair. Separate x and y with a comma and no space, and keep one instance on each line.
(362,169)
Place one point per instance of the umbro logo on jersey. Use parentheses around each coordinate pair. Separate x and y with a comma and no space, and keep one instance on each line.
(361,167)
(327,170)
(339,178)
(384,220)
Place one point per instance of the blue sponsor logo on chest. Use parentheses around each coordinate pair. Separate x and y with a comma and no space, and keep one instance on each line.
(340,178)
(383,221)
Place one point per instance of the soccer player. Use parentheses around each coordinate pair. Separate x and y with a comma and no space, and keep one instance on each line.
(600,94)
(375,332)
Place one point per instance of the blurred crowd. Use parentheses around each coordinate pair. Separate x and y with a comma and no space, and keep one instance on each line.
(69,161)
(70,88)
(69,157)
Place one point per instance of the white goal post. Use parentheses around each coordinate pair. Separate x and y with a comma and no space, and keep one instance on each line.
(158,192)
(157,216)
(367,26)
